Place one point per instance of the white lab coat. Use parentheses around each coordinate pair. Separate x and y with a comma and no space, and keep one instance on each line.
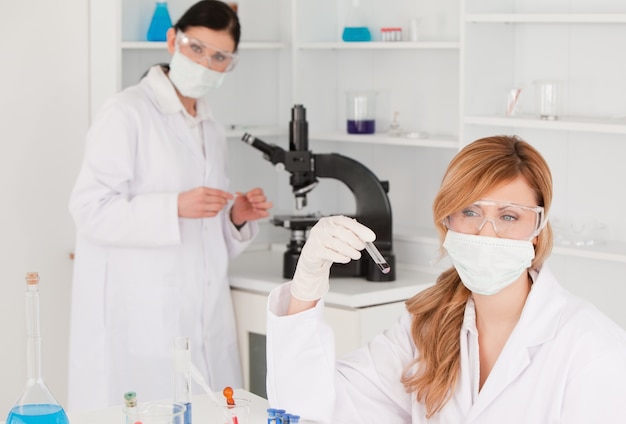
(565,362)
(143,275)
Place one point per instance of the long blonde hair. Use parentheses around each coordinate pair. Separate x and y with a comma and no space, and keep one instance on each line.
(438,311)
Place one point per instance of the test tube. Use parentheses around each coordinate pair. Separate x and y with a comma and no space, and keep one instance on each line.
(379,259)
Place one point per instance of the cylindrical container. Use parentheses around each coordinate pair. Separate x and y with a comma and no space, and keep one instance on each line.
(229,414)
(414,29)
(361,112)
(182,375)
(156,413)
(548,99)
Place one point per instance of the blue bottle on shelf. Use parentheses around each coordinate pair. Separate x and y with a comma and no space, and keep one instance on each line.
(160,22)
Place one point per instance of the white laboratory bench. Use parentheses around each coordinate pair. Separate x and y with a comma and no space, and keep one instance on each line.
(203,411)
(357,309)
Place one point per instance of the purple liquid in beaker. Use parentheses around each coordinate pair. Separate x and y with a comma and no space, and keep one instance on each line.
(362,126)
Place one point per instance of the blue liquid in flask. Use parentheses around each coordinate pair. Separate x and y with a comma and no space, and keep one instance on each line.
(160,23)
(37,414)
(351,34)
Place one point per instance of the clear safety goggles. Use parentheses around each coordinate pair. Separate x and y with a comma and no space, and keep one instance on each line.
(216,59)
(509,220)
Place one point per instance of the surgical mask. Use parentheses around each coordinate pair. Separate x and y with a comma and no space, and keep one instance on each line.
(487,265)
(192,79)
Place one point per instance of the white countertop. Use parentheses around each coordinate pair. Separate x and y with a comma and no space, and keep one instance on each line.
(204,411)
(260,268)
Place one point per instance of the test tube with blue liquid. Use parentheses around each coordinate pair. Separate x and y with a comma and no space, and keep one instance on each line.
(182,374)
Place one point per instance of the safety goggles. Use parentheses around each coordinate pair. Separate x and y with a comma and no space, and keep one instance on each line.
(216,59)
(509,220)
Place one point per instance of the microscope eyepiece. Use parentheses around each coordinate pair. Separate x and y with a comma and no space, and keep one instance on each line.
(298,113)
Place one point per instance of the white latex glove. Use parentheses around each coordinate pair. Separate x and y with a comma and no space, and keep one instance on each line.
(333,239)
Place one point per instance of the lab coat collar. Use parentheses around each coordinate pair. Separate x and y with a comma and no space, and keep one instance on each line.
(166,98)
(537,325)
(168,103)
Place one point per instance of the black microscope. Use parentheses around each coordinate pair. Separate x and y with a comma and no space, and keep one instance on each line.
(373,208)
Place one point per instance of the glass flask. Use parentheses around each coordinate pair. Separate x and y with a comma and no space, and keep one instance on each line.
(355,28)
(160,22)
(36,405)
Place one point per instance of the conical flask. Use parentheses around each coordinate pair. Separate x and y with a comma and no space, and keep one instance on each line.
(36,405)
(160,22)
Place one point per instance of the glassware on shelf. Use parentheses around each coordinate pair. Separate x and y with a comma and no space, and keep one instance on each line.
(548,98)
(361,109)
(580,234)
(160,22)
(394,128)
(36,405)
(355,28)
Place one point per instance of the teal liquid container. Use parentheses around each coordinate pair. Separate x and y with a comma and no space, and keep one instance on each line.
(352,34)
(160,22)
(36,405)
(355,28)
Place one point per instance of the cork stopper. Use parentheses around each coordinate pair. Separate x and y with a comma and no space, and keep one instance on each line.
(32,278)
(130,399)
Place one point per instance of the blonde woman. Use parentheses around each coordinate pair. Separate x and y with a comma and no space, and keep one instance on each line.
(495,340)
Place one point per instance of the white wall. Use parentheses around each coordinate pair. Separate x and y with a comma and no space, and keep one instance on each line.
(44,116)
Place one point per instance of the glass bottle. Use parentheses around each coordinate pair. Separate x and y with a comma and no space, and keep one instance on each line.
(182,374)
(160,22)
(36,405)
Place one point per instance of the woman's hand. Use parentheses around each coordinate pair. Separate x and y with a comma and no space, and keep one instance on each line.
(250,206)
(202,202)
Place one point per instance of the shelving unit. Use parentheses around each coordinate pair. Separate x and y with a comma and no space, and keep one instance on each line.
(470,53)
(505,47)
(378,45)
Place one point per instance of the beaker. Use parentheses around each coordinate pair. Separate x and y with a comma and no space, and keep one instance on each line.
(548,99)
(361,112)
(238,413)
(156,413)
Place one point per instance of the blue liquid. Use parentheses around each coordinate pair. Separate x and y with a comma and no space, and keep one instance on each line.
(356,34)
(363,126)
(160,23)
(37,414)
(188,413)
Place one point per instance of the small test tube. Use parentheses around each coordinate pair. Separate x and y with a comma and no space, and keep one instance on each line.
(378,258)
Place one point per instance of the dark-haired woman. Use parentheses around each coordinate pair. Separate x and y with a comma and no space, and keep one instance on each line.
(156,225)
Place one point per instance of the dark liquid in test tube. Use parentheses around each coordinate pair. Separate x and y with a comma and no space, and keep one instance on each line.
(378,258)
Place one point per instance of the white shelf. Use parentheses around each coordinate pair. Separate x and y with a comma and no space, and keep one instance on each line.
(378,45)
(566,123)
(435,141)
(612,251)
(547,18)
(162,45)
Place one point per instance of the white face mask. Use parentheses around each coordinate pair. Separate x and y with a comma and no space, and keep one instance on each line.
(192,79)
(486,265)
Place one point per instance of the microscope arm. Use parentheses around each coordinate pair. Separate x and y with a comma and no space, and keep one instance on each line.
(373,208)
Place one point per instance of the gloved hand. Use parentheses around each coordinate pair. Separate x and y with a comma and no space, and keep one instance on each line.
(333,239)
